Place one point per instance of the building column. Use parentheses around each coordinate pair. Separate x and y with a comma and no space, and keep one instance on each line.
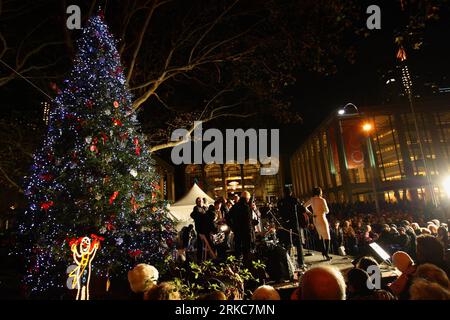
(224,182)
(242,176)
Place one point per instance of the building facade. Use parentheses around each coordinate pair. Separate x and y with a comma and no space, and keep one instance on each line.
(378,153)
(224,180)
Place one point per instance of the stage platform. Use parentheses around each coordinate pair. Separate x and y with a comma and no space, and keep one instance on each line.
(343,263)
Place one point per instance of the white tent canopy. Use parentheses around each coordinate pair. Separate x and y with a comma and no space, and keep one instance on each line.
(181,210)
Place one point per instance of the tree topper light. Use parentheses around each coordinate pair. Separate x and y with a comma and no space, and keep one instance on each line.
(84,250)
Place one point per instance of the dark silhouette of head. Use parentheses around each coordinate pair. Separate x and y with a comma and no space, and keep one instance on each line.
(317,191)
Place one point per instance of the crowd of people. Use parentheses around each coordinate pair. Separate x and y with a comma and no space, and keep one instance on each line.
(418,247)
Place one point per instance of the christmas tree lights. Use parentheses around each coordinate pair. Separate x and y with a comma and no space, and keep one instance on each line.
(93,174)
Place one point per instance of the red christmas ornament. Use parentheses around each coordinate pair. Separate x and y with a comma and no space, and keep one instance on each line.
(93,148)
(138,148)
(135,253)
(113,197)
(89,103)
(47,177)
(117,122)
(104,137)
(134,204)
(46,205)
(116,104)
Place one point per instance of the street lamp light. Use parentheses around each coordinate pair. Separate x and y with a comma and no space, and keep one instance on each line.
(367,127)
(348,109)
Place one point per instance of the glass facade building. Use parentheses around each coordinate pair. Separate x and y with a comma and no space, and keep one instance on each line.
(384,160)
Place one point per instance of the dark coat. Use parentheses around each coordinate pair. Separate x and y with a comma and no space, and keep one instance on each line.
(240,219)
(287,209)
(202,219)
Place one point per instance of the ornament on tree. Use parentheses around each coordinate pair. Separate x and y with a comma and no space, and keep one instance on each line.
(88,139)
(117,122)
(116,104)
(138,147)
(46,205)
(83,251)
(89,104)
(133,172)
(135,253)
(113,197)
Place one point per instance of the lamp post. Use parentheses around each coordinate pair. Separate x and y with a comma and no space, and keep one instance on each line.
(351,110)
(368,128)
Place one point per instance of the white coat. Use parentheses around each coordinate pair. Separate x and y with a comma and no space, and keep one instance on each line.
(320,210)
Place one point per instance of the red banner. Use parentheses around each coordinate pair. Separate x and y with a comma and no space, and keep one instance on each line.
(352,136)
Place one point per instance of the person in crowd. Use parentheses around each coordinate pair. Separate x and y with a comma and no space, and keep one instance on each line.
(229,204)
(433,229)
(436,222)
(365,262)
(235,198)
(416,228)
(265,292)
(187,233)
(385,239)
(358,289)
(142,278)
(294,218)
(322,283)
(320,210)
(202,223)
(242,225)
(430,250)
(405,264)
(425,231)
(433,274)
(442,236)
(411,236)
(215,295)
(337,237)
(367,238)
(350,242)
(422,289)
(403,240)
(163,291)
(256,216)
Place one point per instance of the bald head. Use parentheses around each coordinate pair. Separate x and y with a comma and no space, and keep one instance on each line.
(265,293)
(322,283)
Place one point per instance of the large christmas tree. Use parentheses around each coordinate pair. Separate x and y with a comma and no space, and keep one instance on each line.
(93,175)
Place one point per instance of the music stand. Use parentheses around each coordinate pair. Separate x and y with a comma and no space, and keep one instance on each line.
(384,256)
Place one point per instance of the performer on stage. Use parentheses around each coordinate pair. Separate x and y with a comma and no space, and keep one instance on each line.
(320,210)
(294,217)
